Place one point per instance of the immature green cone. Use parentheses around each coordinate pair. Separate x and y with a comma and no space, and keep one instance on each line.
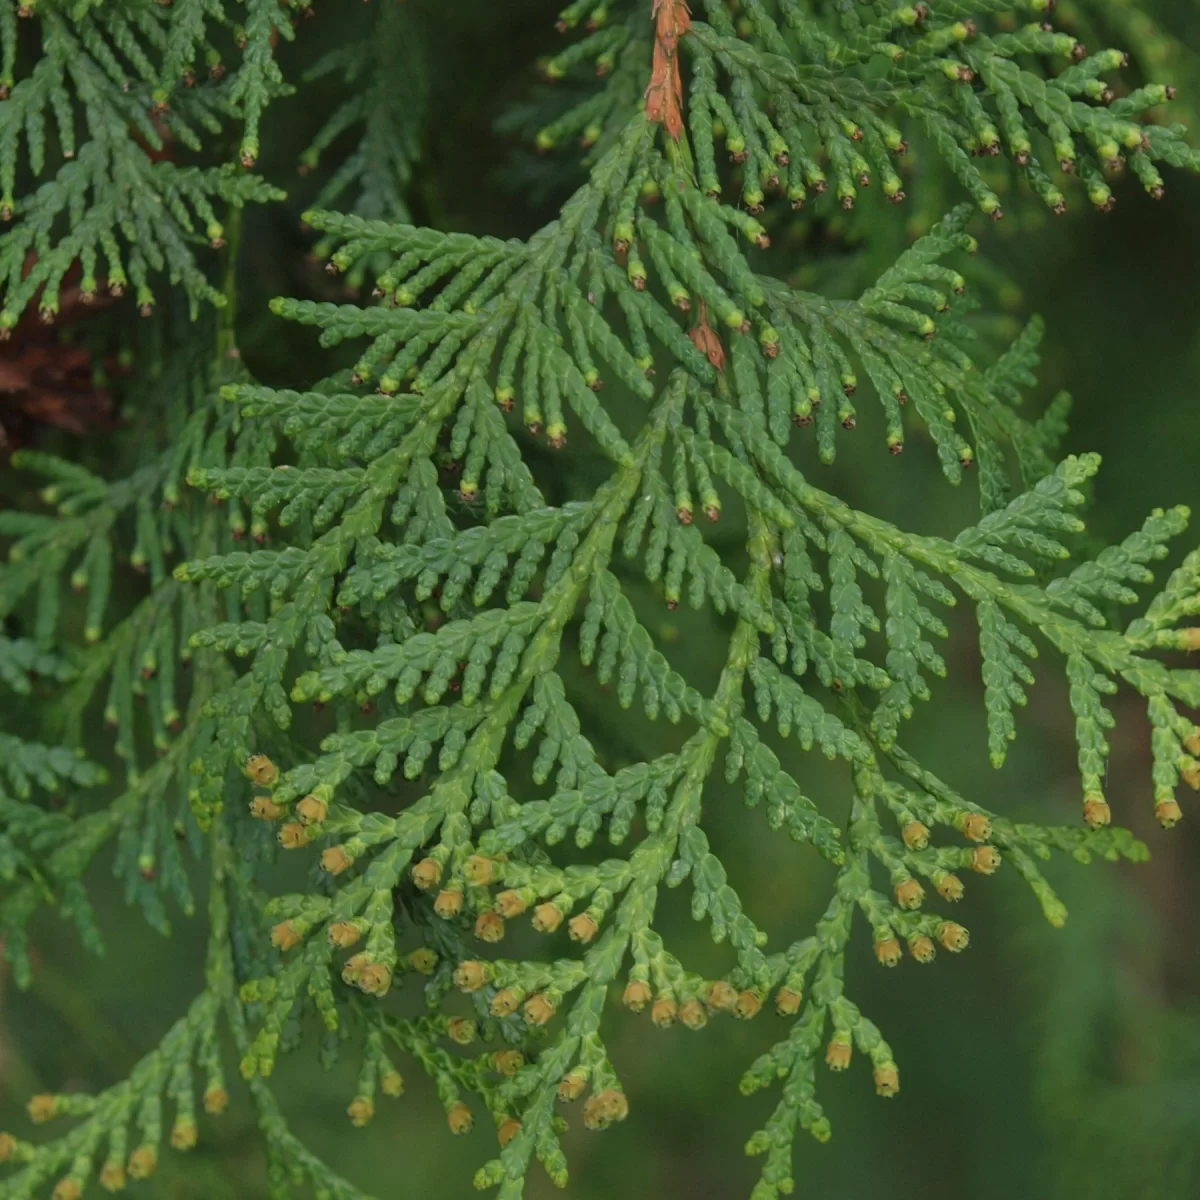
(508,1062)
(748,1006)
(480,871)
(538,1009)
(262,770)
(788,1001)
(887,1080)
(423,960)
(184,1134)
(1168,813)
(263,808)
(471,975)
(335,860)
(922,948)
(950,887)
(285,935)
(637,995)
(604,1109)
(142,1162)
(505,1002)
(113,1177)
(461,1029)
(293,836)
(344,934)
(888,952)
(976,827)
(582,928)
(360,1111)
(369,976)
(985,859)
(460,1119)
(510,904)
(489,926)
(312,810)
(664,1011)
(427,874)
(953,936)
(722,996)
(547,918)
(839,1051)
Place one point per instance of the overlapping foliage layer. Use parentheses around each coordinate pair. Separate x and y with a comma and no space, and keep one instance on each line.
(409,570)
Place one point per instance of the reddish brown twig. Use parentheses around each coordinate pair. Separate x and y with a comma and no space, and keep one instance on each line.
(664,94)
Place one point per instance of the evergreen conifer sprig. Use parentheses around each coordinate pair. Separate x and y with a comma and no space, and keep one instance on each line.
(390,547)
(388,105)
(791,85)
(90,127)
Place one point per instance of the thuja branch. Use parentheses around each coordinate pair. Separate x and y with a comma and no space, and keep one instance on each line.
(387,546)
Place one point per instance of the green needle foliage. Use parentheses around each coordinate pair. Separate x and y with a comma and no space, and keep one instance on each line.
(121,83)
(392,545)
(386,108)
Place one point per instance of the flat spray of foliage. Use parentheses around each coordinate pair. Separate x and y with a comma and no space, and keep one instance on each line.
(379,546)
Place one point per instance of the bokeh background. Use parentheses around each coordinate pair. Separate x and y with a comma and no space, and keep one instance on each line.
(1043,1064)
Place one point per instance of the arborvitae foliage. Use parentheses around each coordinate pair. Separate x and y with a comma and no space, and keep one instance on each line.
(388,545)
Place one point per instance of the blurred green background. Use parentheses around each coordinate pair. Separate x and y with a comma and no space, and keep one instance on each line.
(1040,1064)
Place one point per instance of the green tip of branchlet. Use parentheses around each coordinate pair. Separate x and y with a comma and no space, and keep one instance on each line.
(1078,468)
